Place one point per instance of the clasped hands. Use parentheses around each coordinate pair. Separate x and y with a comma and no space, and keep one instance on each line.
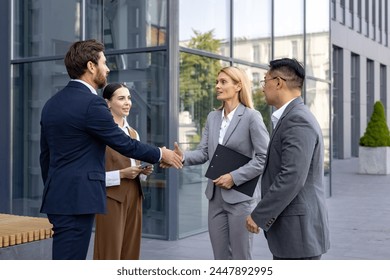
(176,155)
(225,181)
(171,158)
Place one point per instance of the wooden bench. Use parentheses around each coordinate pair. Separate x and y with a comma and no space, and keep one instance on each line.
(19,230)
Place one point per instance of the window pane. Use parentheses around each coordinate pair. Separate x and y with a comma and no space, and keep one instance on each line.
(208,19)
(289,29)
(146,76)
(252,30)
(32,85)
(197,99)
(124,24)
(317,39)
(255,76)
(36,27)
(318,100)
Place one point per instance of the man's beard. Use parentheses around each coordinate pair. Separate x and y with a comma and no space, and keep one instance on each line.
(100,80)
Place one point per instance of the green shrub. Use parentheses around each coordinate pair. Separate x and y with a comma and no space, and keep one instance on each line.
(377,133)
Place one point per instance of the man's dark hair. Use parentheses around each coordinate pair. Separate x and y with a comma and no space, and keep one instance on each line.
(289,69)
(79,54)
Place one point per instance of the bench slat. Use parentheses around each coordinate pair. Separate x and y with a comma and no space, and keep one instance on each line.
(21,229)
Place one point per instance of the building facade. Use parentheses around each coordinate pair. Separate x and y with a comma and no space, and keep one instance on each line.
(361,60)
(169,52)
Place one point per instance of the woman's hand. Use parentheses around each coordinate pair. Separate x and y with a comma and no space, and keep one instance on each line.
(147,170)
(130,172)
(224,181)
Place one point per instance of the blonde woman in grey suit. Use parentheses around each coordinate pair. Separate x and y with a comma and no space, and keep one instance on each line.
(239,127)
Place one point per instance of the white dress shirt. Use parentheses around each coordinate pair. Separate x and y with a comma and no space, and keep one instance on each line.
(86,84)
(225,124)
(278,113)
(113,178)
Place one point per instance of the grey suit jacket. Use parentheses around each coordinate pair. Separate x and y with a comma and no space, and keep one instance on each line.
(292,211)
(246,134)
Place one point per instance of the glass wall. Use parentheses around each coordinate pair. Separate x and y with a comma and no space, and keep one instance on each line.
(146,77)
(317,39)
(252,30)
(289,29)
(36,26)
(318,101)
(204,20)
(197,99)
(32,85)
(120,24)
(124,24)
(255,76)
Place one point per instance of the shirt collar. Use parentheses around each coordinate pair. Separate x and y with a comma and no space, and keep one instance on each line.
(125,124)
(278,113)
(86,84)
(230,115)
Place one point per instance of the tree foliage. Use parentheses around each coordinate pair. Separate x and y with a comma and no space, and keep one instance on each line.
(197,81)
(198,75)
(262,106)
(377,132)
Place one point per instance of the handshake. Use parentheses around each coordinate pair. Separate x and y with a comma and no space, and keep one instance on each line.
(172,158)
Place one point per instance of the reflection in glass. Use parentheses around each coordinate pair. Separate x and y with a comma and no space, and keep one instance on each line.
(318,100)
(255,76)
(317,39)
(252,30)
(146,77)
(32,85)
(197,100)
(209,19)
(289,29)
(123,24)
(36,27)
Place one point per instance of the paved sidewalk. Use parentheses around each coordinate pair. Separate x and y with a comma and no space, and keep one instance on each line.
(359,216)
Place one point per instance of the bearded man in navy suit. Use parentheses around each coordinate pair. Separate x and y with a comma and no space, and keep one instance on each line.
(76,126)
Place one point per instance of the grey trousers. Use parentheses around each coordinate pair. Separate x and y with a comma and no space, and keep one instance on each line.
(228,234)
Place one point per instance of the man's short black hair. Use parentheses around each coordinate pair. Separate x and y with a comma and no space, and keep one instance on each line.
(290,69)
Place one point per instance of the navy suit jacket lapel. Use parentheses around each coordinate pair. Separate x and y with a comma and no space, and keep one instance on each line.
(79,85)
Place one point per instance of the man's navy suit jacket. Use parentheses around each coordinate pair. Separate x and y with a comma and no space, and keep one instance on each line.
(76,126)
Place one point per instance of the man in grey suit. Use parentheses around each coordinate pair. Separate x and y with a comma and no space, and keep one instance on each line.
(292,211)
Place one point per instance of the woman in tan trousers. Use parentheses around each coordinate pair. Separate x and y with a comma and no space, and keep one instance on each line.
(118,232)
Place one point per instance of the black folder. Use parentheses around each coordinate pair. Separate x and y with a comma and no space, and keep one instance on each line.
(226,160)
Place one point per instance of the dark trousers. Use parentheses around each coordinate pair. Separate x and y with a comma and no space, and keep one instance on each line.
(307,258)
(71,237)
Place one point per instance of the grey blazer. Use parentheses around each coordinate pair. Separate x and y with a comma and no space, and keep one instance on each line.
(246,134)
(292,210)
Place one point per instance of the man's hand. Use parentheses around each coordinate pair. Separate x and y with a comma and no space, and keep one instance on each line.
(170,158)
(224,181)
(251,225)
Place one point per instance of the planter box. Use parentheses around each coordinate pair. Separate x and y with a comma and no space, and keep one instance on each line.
(374,160)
